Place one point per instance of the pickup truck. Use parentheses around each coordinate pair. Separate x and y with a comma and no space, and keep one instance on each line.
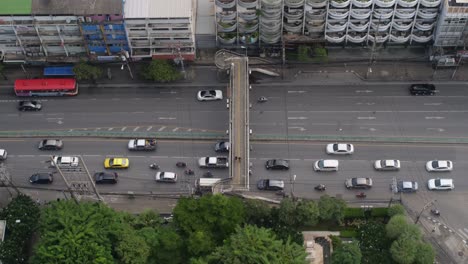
(213,162)
(142,144)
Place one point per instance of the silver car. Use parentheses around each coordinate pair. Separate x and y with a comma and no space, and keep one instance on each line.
(326,165)
(439,165)
(387,164)
(340,148)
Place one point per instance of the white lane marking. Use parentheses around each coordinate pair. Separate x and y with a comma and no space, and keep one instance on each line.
(110,129)
(93,99)
(136,156)
(91,155)
(182,157)
(438,129)
(300,92)
(138,112)
(364,91)
(435,117)
(97,129)
(136,128)
(297,124)
(71,130)
(25,156)
(463,234)
(299,117)
(299,128)
(189,130)
(365,103)
(175,129)
(171,92)
(432,103)
(156,157)
(366,117)
(149,128)
(167,118)
(368,128)
(136,98)
(162,128)
(123,128)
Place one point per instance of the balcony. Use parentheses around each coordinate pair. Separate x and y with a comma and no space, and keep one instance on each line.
(380,26)
(226,27)
(270,38)
(338,14)
(336,26)
(360,13)
(359,27)
(226,3)
(227,38)
(402,26)
(362,3)
(317,3)
(378,39)
(430,3)
(271,3)
(405,14)
(248,15)
(335,38)
(316,14)
(340,3)
(424,26)
(271,27)
(271,14)
(294,14)
(248,3)
(385,3)
(399,38)
(315,27)
(356,38)
(293,27)
(294,3)
(407,3)
(248,27)
(427,14)
(249,38)
(421,39)
(227,15)
(383,13)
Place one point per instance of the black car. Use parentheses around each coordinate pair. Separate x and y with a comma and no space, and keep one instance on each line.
(277,164)
(29,106)
(422,89)
(222,146)
(106,177)
(50,144)
(270,185)
(41,178)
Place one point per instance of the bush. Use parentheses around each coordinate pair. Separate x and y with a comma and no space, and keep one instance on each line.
(336,241)
(348,233)
(396,210)
(353,212)
(379,212)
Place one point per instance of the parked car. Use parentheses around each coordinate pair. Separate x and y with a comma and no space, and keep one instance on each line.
(387,164)
(222,146)
(422,89)
(41,178)
(270,185)
(106,177)
(440,184)
(29,105)
(210,95)
(407,186)
(50,144)
(326,165)
(340,148)
(164,176)
(3,154)
(358,183)
(277,164)
(439,165)
(116,163)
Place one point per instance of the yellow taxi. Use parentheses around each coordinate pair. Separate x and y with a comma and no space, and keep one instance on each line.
(116,163)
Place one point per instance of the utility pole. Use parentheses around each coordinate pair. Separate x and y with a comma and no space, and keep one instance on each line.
(180,59)
(374,43)
(293,181)
(422,210)
(5,180)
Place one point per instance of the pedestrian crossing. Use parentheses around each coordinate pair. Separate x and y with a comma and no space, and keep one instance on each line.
(147,129)
(463,233)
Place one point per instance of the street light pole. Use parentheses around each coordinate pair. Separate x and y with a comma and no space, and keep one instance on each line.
(293,181)
(422,210)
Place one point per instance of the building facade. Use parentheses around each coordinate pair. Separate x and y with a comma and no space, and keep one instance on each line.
(452,28)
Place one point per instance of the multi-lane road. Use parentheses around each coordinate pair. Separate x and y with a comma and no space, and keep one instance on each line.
(381,110)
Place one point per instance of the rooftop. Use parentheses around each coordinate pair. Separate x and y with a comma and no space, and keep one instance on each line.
(158,8)
(15,7)
(76,7)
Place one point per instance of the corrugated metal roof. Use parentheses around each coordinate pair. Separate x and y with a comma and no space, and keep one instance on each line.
(15,7)
(76,7)
(157,8)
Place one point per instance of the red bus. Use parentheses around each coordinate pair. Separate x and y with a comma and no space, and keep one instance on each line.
(46,87)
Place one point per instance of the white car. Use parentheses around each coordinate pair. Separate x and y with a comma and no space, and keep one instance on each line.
(326,165)
(63,161)
(387,164)
(440,184)
(165,176)
(3,154)
(340,148)
(439,165)
(210,95)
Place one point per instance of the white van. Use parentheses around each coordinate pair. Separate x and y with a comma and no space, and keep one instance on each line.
(206,184)
(326,165)
(3,154)
(63,161)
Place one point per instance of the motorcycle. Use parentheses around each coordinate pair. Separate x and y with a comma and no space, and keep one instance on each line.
(320,187)
(154,166)
(435,212)
(181,164)
(361,195)
(262,99)
(189,172)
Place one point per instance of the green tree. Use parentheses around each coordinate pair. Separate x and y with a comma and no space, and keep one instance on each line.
(331,208)
(161,71)
(85,71)
(348,253)
(287,212)
(413,231)
(257,213)
(396,226)
(403,250)
(252,244)
(148,218)
(307,213)
(207,221)
(374,243)
(164,243)
(396,209)
(424,254)
(21,216)
(132,249)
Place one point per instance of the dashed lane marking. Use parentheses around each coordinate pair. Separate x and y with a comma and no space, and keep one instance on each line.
(136,128)
(162,128)
(175,129)
(110,129)
(123,128)
(149,128)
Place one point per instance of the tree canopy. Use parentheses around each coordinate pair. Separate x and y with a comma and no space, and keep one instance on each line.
(348,253)
(396,226)
(396,209)
(161,71)
(331,208)
(85,71)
